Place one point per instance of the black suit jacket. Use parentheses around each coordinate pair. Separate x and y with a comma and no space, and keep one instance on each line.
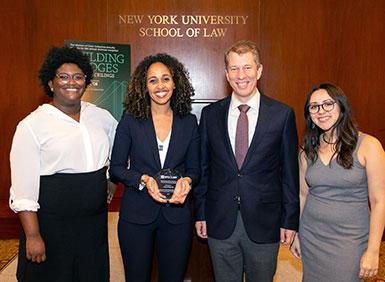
(267,183)
(135,152)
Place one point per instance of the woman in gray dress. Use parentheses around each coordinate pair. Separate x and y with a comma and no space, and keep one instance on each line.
(340,168)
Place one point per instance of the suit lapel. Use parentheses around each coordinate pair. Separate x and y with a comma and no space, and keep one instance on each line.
(223,128)
(176,134)
(151,139)
(261,127)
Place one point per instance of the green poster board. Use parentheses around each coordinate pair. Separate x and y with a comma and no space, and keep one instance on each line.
(111,64)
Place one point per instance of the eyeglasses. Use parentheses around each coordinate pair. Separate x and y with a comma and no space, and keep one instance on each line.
(64,78)
(326,106)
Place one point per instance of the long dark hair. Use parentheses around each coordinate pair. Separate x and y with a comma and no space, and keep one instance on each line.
(345,129)
(138,101)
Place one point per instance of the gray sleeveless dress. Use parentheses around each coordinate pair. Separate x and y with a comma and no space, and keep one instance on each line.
(334,225)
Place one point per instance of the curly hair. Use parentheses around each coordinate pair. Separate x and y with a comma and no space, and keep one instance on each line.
(345,128)
(138,101)
(56,57)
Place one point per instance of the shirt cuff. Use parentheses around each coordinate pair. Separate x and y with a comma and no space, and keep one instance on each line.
(23,205)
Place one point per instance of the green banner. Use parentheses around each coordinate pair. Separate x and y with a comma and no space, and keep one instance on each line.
(111,64)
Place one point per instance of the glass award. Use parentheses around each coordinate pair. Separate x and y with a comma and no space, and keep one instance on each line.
(166,180)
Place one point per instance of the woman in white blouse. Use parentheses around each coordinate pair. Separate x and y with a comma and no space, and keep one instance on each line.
(156,132)
(58,171)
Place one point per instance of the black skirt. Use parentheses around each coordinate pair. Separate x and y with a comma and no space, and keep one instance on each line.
(73,224)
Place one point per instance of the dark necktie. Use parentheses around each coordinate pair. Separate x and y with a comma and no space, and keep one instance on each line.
(242,135)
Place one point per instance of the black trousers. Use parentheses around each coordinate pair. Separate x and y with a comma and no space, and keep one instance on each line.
(172,243)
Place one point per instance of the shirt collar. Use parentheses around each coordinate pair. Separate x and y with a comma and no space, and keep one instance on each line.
(253,103)
(51,109)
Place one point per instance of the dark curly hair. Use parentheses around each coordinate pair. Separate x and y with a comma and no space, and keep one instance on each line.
(138,101)
(56,57)
(346,129)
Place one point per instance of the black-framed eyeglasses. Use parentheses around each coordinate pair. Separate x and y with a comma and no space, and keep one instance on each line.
(65,77)
(326,106)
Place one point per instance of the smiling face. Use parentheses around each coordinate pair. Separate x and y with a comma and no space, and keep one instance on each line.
(160,84)
(68,91)
(325,120)
(242,73)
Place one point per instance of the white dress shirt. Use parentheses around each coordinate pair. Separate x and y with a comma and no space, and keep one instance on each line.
(48,141)
(252,115)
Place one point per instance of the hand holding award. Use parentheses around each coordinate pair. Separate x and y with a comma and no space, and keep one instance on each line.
(167,180)
(181,191)
(152,188)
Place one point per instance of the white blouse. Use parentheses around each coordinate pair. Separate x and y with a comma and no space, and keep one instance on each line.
(48,141)
(163,148)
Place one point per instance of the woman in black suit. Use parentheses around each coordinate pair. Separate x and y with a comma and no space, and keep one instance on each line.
(157,131)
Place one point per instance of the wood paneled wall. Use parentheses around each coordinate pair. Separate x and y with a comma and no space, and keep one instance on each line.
(307,42)
(302,43)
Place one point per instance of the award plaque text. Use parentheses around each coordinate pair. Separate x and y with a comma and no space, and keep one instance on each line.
(167,179)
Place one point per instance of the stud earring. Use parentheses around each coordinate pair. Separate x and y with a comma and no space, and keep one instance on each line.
(52,89)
